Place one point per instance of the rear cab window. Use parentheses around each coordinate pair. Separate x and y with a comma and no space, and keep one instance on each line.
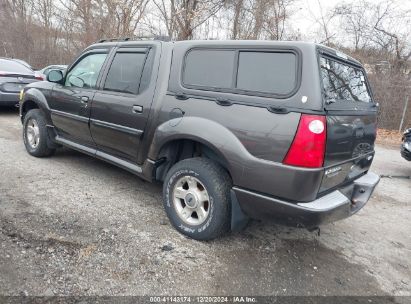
(267,73)
(343,83)
(209,68)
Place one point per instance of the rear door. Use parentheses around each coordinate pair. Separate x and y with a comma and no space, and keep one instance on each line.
(351,120)
(122,105)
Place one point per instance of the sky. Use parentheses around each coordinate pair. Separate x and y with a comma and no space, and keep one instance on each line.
(303,19)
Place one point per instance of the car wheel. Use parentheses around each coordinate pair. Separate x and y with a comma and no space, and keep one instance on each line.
(196,196)
(35,134)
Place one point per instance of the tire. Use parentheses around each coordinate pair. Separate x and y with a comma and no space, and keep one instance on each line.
(208,217)
(34,125)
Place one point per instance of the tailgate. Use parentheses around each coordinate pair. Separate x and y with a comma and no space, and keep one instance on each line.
(351,121)
(350,148)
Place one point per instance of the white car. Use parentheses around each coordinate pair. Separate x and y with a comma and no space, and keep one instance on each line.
(46,70)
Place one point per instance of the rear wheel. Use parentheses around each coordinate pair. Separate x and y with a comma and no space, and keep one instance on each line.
(196,196)
(35,134)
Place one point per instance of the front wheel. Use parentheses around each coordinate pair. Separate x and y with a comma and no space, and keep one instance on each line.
(196,195)
(35,134)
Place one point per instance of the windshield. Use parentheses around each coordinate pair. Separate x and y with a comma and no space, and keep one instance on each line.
(342,82)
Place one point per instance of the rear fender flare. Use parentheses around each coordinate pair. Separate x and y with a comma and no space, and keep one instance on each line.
(217,137)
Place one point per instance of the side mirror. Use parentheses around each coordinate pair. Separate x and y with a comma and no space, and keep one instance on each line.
(55,76)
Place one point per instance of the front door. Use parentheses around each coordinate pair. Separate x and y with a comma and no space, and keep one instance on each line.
(121,107)
(70,102)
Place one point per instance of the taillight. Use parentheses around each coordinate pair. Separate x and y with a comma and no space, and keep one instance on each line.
(308,147)
(39,77)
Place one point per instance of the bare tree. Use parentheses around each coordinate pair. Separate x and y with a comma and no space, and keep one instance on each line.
(48,35)
(260,19)
(356,22)
(238,8)
(324,20)
(279,11)
(392,32)
(124,16)
(86,18)
(381,40)
(182,17)
(15,25)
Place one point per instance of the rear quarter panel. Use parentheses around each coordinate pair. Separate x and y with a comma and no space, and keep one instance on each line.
(264,134)
(252,139)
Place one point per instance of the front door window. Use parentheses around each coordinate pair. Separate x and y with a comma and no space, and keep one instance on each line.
(85,73)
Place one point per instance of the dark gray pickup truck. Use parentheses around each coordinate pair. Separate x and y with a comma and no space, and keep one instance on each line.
(234,129)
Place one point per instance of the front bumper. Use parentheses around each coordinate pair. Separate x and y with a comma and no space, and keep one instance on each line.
(334,206)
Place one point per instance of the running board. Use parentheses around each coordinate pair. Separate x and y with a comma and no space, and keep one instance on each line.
(101,155)
(120,163)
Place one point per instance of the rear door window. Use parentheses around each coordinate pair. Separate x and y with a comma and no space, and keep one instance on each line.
(342,82)
(146,76)
(125,73)
(209,68)
(269,72)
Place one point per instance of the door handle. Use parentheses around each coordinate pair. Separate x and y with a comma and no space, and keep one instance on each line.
(137,109)
(84,98)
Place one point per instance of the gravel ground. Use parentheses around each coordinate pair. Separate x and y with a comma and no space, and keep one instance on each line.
(74,225)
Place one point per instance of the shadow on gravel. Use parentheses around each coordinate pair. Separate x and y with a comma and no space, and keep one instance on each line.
(89,162)
(9,111)
(290,262)
(78,258)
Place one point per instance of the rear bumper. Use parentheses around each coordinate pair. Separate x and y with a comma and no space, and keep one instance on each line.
(334,206)
(9,99)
